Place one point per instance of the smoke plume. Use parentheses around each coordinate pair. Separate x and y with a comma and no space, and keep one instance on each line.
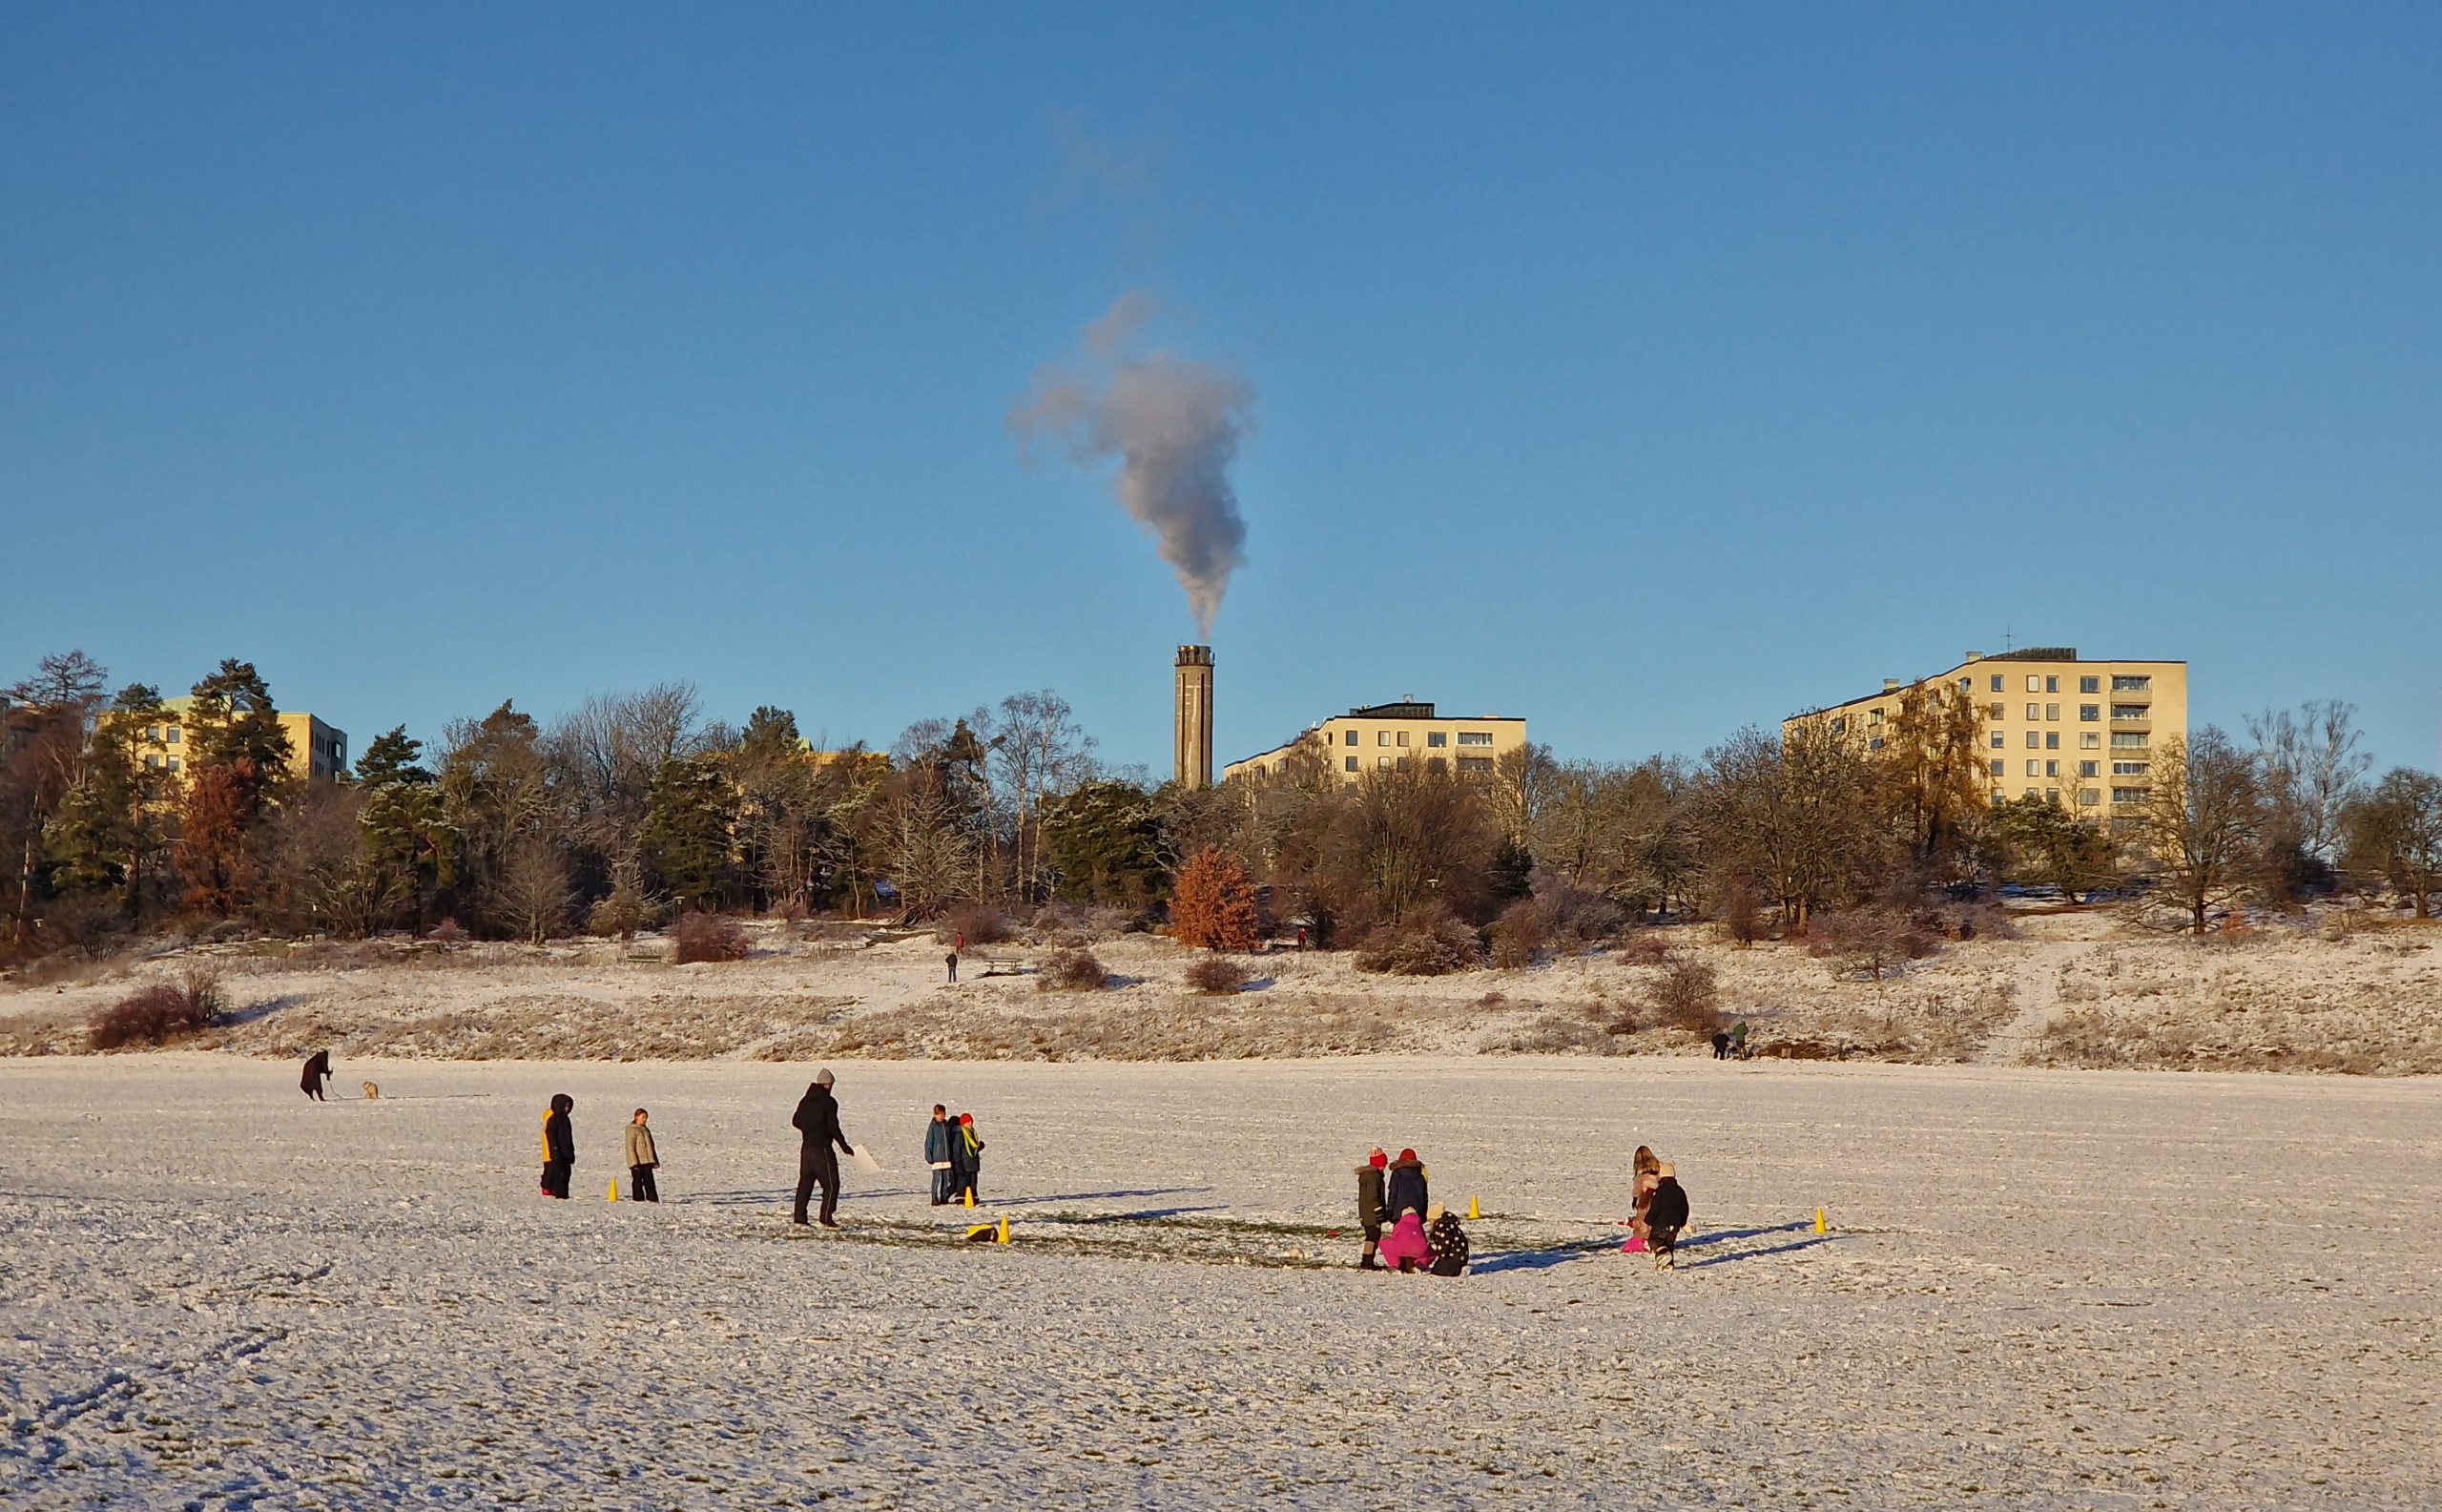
(1173,423)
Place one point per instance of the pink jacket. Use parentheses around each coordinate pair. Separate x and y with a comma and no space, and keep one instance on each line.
(1406,1241)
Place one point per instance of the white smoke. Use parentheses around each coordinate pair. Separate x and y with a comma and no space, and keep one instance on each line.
(1173,423)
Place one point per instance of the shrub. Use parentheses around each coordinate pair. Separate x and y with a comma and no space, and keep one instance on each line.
(1741,914)
(1645,950)
(1072,971)
(982,923)
(446,932)
(1573,918)
(1873,942)
(159,1013)
(1431,942)
(710,937)
(1517,935)
(1688,998)
(1213,905)
(1216,975)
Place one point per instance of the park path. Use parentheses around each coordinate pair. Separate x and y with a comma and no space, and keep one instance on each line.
(2037,991)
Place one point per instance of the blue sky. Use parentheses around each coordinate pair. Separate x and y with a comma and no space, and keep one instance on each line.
(1645,371)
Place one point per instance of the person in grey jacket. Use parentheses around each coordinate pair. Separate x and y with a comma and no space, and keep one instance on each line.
(642,1159)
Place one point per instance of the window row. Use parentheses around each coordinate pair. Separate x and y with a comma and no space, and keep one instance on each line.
(1432,737)
(1466,763)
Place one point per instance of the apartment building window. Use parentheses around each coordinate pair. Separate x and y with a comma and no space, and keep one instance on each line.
(1404,763)
(2131,795)
(154,762)
(1997,682)
(2000,741)
(1475,763)
(1436,737)
(2089,740)
(1873,716)
(2034,683)
(2051,769)
(2090,684)
(2089,798)
(2089,769)
(2052,739)
(170,735)
(2035,769)
(2000,769)
(2034,712)
(1385,762)
(1967,685)
(1382,737)
(1352,740)
(2131,710)
(2051,685)
(1352,761)
(2131,769)
(174,763)
(2034,740)
(1436,764)
(1840,725)
(1403,737)
(2052,795)
(2090,712)
(2129,684)
(1997,711)
(2052,714)
(1874,744)
(2128,739)
(1475,737)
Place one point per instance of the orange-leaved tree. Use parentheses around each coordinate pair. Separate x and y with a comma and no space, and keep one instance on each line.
(1213,905)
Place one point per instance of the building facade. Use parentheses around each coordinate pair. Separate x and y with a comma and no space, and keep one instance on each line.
(2078,732)
(315,750)
(1388,737)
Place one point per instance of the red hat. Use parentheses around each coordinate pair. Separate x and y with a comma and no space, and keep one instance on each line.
(1407,1154)
(966,1118)
(1377,1160)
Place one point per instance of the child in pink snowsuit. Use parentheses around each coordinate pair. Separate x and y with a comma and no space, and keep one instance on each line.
(1405,1248)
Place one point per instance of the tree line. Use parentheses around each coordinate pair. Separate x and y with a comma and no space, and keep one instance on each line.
(635,808)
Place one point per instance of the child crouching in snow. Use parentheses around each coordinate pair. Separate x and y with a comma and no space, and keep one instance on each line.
(1449,1243)
(1405,1248)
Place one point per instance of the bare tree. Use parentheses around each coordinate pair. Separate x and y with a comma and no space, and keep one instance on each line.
(2309,768)
(1042,753)
(531,892)
(2397,831)
(1794,814)
(612,746)
(2205,822)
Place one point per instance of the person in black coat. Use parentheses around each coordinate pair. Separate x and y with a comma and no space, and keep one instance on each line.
(1405,1187)
(559,1146)
(818,1120)
(1665,1216)
(317,1070)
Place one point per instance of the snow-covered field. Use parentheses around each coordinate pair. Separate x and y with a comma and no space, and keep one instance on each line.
(2056,1289)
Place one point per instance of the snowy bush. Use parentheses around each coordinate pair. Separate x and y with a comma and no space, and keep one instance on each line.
(710,937)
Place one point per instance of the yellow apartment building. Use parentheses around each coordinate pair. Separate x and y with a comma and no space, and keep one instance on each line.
(314,749)
(2081,734)
(1387,736)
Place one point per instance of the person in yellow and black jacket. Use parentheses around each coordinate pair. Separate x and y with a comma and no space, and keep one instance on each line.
(559,1146)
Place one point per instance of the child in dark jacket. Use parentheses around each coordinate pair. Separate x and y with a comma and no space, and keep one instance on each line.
(1665,1216)
(559,1146)
(1449,1243)
(1371,1206)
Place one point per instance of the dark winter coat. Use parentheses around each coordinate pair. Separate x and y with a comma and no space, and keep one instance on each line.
(1449,1244)
(559,1135)
(1669,1209)
(818,1119)
(318,1068)
(966,1148)
(1369,1195)
(1406,1187)
(941,1141)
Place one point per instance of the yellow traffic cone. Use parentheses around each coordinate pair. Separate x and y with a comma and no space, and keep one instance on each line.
(615,1188)
(970,1196)
(1819,1226)
(1005,1229)
(1473,1212)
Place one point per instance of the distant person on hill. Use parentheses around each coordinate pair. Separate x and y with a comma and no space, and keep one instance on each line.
(1406,1247)
(1449,1242)
(1405,1186)
(817,1122)
(317,1070)
(967,1147)
(940,1139)
(559,1146)
(1665,1217)
(1369,1203)
(642,1160)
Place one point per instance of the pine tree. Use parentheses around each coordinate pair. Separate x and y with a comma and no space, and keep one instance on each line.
(686,838)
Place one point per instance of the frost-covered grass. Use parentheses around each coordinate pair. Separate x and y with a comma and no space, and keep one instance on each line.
(2040,1289)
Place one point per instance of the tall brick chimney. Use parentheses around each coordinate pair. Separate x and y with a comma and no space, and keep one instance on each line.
(1193,729)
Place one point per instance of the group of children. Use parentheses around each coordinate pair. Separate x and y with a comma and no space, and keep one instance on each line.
(559,1151)
(1424,1235)
(955,1154)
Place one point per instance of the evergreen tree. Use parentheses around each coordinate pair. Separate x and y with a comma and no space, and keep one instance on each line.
(686,836)
(408,839)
